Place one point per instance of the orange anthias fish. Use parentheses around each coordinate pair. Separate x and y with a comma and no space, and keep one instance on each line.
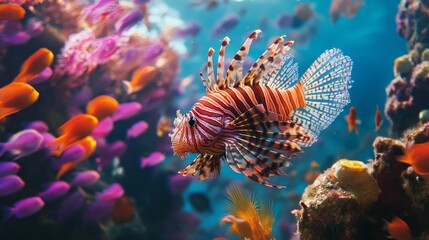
(256,122)
(352,121)
(417,155)
(11,12)
(377,119)
(140,79)
(34,65)
(88,144)
(16,96)
(399,229)
(123,210)
(164,126)
(247,220)
(101,107)
(75,129)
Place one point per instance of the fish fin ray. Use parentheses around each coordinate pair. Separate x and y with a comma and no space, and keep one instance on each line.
(325,84)
(234,74)
(206,165)
(286,75)
(268,63)
(251,166)
(257,121)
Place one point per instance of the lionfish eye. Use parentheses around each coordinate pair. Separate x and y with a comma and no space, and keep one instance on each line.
(192,121)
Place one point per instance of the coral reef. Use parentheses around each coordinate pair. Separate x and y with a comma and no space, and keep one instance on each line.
(408,93)
(352,200)
(89,188)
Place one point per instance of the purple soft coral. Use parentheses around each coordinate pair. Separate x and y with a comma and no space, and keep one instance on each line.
(83,52)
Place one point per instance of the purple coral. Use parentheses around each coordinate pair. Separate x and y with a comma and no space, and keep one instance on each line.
(408,93)
(82,53)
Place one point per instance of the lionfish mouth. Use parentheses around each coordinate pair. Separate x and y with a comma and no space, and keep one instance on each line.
(179,149)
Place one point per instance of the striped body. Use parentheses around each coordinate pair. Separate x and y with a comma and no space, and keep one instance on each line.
(257,121)
(215,110)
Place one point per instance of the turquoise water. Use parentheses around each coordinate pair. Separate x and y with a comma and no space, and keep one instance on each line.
(369,38)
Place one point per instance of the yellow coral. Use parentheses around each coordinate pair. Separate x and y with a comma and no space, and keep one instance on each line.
(353,176)
(355,166)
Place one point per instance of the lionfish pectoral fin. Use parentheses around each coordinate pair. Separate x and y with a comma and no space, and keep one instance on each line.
(244,162)
(260,127)
(264,144)
(206,165)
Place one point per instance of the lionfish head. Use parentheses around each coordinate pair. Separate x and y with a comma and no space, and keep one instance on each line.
(181,139)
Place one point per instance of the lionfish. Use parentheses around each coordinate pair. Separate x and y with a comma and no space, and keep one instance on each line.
(258,121)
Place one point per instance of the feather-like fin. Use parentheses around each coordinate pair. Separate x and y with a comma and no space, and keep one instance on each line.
(325,85)
(251,164)
(287,74)
(207,166)
(264,144)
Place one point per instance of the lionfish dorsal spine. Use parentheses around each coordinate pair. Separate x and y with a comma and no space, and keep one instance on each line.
(221,63)
(235,70)
(251,74)
(211,82)
(262,72)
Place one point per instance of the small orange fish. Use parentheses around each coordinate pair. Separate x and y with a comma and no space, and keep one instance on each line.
(88,144)
(314,165)
(16,96)
(101,107)
(399,229)
(165,124)
(34,65)
(417,155)
(11,12)
(75,129)
(352,121)
(141,78)
(219,238)
(247,220)
(377,118)
(123,210)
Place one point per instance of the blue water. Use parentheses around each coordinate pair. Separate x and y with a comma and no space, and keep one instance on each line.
(369,38)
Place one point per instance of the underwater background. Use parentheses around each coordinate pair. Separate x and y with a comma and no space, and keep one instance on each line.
(89,156)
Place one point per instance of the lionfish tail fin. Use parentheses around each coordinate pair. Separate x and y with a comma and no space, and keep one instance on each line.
(207,166)
(325,85)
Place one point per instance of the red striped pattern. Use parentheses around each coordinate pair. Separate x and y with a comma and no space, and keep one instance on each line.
(213,111)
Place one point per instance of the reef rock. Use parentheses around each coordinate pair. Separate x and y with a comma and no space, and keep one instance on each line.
(334,205)
(352,200)
(408,93)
